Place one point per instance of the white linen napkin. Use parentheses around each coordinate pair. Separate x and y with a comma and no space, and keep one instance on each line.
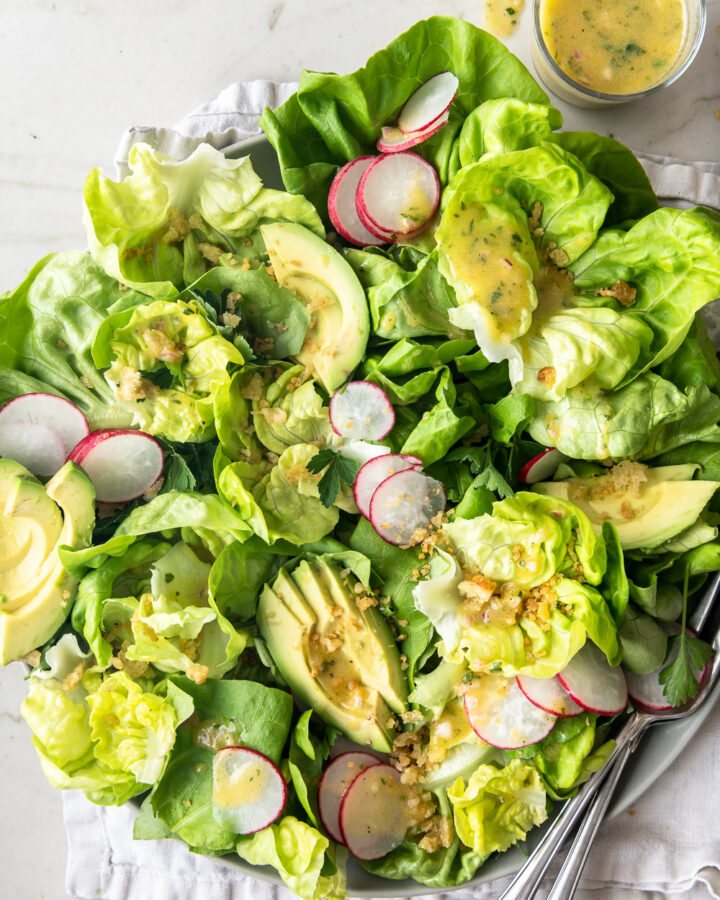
(668,843)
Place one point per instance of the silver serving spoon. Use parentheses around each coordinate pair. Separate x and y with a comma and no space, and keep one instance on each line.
(527,880)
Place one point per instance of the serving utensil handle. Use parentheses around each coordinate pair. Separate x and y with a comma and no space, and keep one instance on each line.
(571,872)
(525,883)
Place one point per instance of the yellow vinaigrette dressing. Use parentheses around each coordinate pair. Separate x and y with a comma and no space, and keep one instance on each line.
(614,46)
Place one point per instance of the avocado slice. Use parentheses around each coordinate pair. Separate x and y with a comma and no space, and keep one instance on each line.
(337,660)
(646,514)
(317,275)
(41,591)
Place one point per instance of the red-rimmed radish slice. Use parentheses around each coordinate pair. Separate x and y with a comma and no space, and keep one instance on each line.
(373,813)
(341,205)
(35,446)
(430,101)
(336,779)
(122,464)
(393,140)
(645,691)
(548,694)
(398,194)
(593,683)
(374,472)
(541,467)
(361,411)
(57,413)
(249,792)
(500,714)
(362,451)
(404,506)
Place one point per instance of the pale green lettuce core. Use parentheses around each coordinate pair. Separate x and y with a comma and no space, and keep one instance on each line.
(498,807)
(105,736)
(522,546)
(173,339)
(298,852)
(167,222)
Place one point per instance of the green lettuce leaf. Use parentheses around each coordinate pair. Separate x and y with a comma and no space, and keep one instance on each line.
(408,295)
(503,125)
(644,419)
(445,867)
(486,215)
(105,736)
(167,222)
(300,854)
(672,258)
(241,713)
(568,756)
(251,304)
(618,169)
(335,118)
(168,362)
(498,807)
(47,325)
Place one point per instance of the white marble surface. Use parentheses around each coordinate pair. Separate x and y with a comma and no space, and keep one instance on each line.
(75,74)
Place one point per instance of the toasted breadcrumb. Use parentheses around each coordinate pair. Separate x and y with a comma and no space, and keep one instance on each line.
(621,291)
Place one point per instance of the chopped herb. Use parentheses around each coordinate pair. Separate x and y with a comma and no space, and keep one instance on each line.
(680,681)
(337,468)
(509,10)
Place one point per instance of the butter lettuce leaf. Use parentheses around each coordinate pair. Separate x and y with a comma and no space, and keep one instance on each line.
(167,222)
(172,343)
(242,713)
(672,258)
(498,807)
(617,167)
(568,756)
(445,867)
(47,325)
(300,854)
(503,125)
(108,737)
(646,418)
(486,250)
(335,118)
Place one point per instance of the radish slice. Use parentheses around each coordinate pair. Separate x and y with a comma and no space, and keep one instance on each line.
(429,102)
(398,194)
(361,410)
(35,446)
(336,779)
(374,472)
(593,683)
(500,714)
(341,205)
(57,413)
(373,813)
(404,506)
(548,694)
(393,140)
(361,451)
(121,464)
(249,792)
(542,467)
(646,692)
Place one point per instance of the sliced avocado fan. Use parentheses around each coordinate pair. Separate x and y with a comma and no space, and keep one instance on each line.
(317,275)
(339,658)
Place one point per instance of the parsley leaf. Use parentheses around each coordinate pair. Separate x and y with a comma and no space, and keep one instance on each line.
(337,468)
(679,678)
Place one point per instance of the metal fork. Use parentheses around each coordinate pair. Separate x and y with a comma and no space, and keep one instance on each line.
(526,882)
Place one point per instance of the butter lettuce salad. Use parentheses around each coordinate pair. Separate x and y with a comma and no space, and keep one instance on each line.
(347,521)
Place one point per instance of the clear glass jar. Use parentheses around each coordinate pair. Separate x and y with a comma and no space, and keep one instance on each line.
(566,88)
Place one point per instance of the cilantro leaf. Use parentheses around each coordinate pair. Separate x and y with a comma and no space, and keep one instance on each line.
(337,468)
(679,678)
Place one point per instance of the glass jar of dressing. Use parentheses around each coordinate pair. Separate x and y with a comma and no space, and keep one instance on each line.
(604,52)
